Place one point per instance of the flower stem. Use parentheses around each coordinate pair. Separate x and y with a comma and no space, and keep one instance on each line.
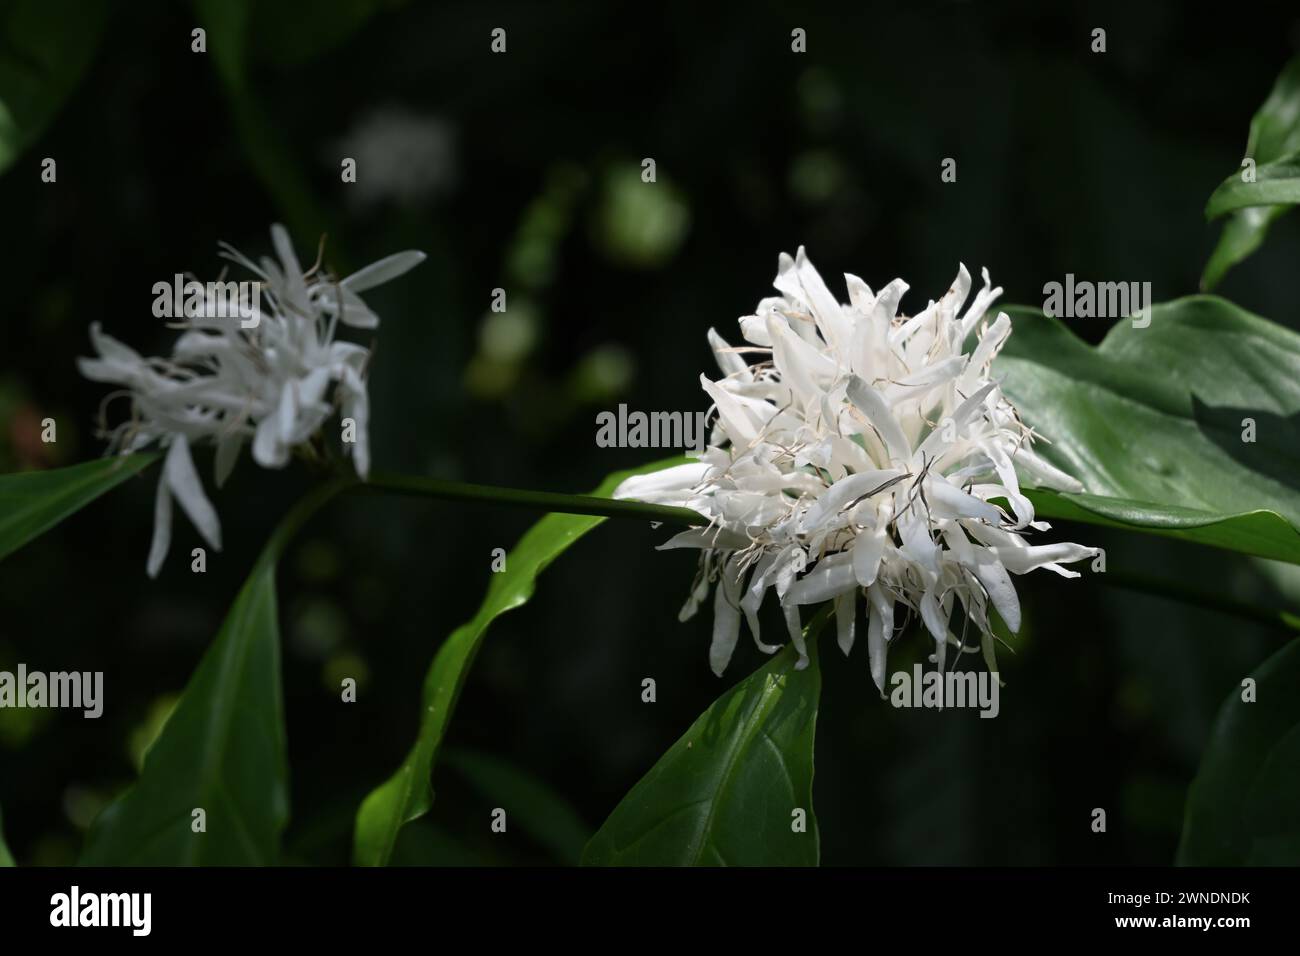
(384,483)
(297,516)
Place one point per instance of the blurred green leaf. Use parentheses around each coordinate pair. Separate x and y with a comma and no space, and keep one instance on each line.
(6,858)
(1275,183)
(45,47)
(725,793)
(1243,808)
(1274,133)
(408,794)
(32,502)
(223,748)
(539,811)
(1151,422)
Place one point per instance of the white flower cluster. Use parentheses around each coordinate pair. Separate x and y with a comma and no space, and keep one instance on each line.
(272,385)
(861,452)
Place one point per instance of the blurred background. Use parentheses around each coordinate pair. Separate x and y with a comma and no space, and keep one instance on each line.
(522,171)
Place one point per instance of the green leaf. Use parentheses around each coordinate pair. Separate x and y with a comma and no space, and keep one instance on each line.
(408,794)
(1275,183)
(32,502)
(531,804)
(45,47)
(726,792)
(223,748)
(1151,422)
(6,858)
(1274,133)
(1243,808)
(222,751)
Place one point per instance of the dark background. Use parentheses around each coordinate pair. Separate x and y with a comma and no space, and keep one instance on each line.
(521,171)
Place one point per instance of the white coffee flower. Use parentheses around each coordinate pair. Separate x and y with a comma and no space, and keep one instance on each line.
(861,452)
(274,384)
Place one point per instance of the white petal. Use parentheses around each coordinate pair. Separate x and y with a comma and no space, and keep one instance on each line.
(955,297)
(872,404)
(831,577)
(726,620)
(1042,473)
(879,632)
(948,502)
(162,528)
(267,449)
(844,491)
(993,575)
(385,270)
(1024,559)
(753,328)
(710,538)
(677,478)
(356,405)
(736,419)
(860,295)
(729,361)
(796,634)
(753,599)
(868,548)
(936,622)
(183,482)
(846,609)
(228,447)
(830,318)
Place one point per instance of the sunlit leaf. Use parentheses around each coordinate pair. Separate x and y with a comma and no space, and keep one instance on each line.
(1188,427)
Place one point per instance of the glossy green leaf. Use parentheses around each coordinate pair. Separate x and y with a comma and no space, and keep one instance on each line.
(530,804)
(1274,134)
(45,47)
(1152,422)
(222,750)
(1243,808)
(6,858)
(408,794)
(32,502)
(727,792)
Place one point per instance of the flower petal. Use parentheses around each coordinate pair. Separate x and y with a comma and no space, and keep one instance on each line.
(183,482)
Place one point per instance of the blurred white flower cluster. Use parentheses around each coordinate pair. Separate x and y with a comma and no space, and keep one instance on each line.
(862,451)
(273,385)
